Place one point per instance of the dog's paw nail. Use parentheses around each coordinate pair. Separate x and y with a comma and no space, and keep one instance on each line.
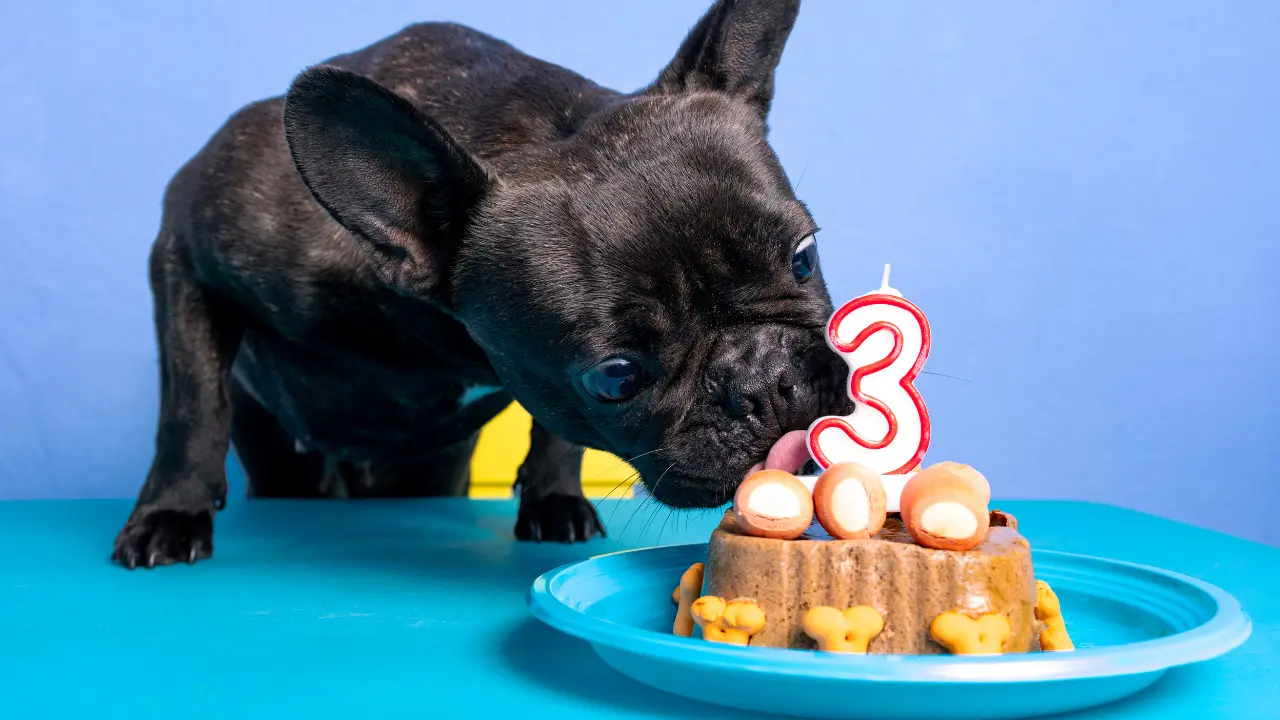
(161,537)
(558,518)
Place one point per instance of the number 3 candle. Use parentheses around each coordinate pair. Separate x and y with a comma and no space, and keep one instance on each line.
(884,339)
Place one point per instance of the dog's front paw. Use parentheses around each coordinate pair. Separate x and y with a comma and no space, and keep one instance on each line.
(163,536)
(556,517)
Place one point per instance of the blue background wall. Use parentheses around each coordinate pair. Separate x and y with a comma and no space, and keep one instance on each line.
(1081,195)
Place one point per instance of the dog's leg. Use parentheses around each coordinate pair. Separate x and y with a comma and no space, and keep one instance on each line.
(549,482)
(273,465)
(198,336)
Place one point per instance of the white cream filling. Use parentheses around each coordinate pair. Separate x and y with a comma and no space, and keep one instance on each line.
(849,504)
(773,500)
(950,520)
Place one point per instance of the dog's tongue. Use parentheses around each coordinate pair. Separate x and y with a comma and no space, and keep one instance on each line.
(789,453)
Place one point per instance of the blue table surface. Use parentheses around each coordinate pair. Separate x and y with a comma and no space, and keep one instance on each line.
(417,608)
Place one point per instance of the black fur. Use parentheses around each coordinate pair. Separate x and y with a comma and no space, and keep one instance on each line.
(440,212)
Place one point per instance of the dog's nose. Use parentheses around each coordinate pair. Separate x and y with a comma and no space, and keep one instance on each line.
(763,389)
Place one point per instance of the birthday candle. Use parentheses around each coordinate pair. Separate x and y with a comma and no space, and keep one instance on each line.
(884,339)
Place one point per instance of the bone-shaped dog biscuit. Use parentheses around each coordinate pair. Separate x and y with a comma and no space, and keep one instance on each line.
(846,632)
(963,635)
(685,594)
(732,622)
(1053,638)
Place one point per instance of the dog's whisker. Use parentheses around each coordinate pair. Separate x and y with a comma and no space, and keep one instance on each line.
(653,493)
(647,500)
(642,505)
(634,476)
(953,377)
(618,505)
(655,487)
(656,513)
(670,513)
(629,479)
(796,189)
(637,457)
(657,508)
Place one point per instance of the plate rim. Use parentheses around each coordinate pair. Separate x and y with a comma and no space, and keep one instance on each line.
(1228,628)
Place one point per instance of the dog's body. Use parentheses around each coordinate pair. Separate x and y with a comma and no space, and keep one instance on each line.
(350,301)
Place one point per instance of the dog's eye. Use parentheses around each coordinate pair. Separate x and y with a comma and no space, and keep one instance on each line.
(613,380)
(805,259)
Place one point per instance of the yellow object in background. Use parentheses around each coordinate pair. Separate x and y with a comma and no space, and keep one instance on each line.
(505,441)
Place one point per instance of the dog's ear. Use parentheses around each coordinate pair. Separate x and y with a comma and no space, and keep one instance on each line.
(733,49)
(386,172)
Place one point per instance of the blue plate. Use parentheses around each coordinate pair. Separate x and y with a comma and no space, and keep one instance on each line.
(1130,624)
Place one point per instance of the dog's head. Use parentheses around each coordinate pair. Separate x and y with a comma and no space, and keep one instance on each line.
(647,285)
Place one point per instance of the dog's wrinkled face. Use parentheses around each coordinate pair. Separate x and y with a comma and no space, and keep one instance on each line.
(660,296)
(648,286)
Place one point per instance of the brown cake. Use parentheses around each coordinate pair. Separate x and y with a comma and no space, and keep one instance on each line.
(909,585)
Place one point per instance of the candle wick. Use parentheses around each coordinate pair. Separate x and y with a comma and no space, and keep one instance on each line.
(884,283)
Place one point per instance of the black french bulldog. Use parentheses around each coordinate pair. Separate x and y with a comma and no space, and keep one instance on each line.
(350,281)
